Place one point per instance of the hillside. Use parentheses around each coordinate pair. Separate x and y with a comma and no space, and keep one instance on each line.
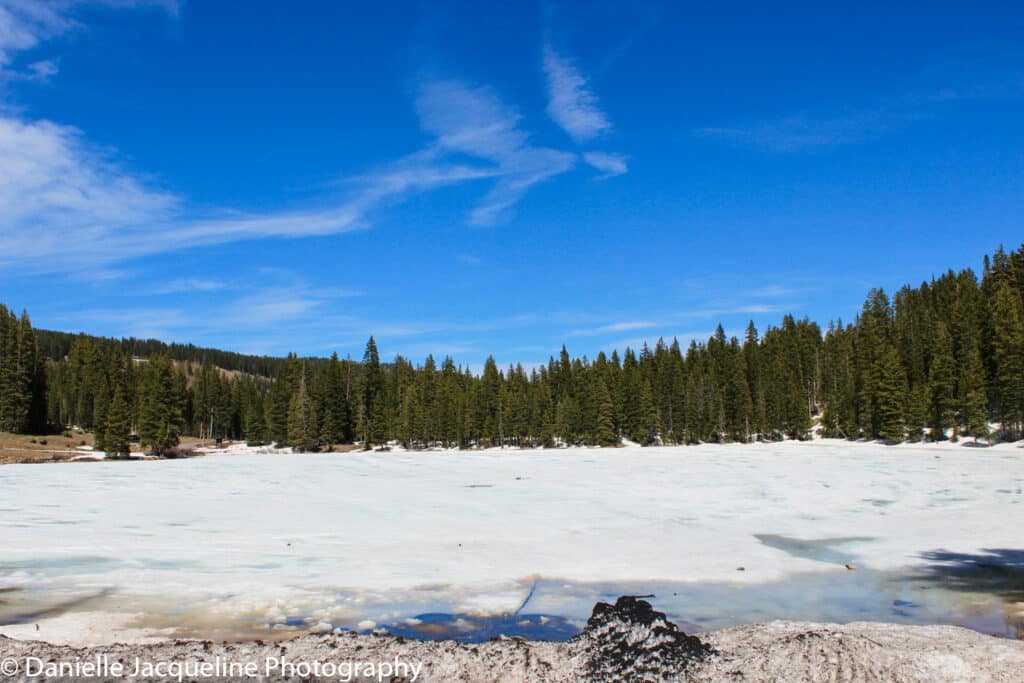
(56,346)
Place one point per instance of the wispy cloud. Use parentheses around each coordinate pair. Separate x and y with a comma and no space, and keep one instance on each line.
(853,126)
(474,122)
(572,103)
(306,312)
(687,316)
(795,133)
(142,323)
(613,327)
(684,337)
(771,291)
(734,309)
(273,306)
(65,204)
(632,325)
(101,276)
(189,285)
(42,70)
(290,301)
(57,192)
(610,165)
(25,24)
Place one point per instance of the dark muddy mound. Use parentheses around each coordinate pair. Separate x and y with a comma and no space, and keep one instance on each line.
(631,641)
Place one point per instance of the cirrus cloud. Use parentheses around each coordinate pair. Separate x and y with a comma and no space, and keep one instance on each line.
(571,102)
(609,164)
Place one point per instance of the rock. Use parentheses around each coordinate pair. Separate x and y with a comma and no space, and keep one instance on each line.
(631,641)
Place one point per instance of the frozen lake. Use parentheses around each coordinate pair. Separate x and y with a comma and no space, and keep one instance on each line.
(227,545)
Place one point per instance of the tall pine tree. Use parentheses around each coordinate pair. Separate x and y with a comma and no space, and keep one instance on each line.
(117,437)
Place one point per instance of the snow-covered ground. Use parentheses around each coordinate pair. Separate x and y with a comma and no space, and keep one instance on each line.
(367,538)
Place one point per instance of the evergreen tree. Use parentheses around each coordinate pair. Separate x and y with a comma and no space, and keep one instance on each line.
(101,407)
(975,407)
(874,334)
(889,384)
(372,415)
(752,363)
(488,405)
(630,415)
(8,370)
(942,386)
(32,377)
(159,408)
(279,399)
(302,419)
(605,432)
(22,376)
(738,404)
(409,428)
(650,424)
(334,428)
(917,414)
(255,422)
(1008,357)
(117,437)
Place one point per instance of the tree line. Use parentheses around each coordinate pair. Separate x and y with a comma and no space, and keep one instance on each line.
(936,361)
(56,345)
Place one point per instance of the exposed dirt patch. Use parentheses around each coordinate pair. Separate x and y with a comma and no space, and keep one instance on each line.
(29,448)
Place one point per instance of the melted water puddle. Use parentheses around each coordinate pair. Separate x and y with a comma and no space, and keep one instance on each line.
(983,592)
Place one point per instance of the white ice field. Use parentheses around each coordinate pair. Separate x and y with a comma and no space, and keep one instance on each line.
(356,540)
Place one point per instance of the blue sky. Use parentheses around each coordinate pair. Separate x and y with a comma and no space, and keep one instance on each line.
(469,178)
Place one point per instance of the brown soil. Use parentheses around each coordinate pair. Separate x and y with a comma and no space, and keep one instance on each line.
(33,448)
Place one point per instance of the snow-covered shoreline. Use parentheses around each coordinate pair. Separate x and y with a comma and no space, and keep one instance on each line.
(234,448)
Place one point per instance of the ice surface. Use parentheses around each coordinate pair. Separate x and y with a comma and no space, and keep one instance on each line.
(345,538)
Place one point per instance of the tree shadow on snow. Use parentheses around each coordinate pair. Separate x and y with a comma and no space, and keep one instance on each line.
(998,571)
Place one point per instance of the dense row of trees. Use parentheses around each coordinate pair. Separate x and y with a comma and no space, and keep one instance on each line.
(936,361)
(659,395)
(22,375)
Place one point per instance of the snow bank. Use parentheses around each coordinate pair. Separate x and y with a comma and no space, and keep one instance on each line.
(241,448)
